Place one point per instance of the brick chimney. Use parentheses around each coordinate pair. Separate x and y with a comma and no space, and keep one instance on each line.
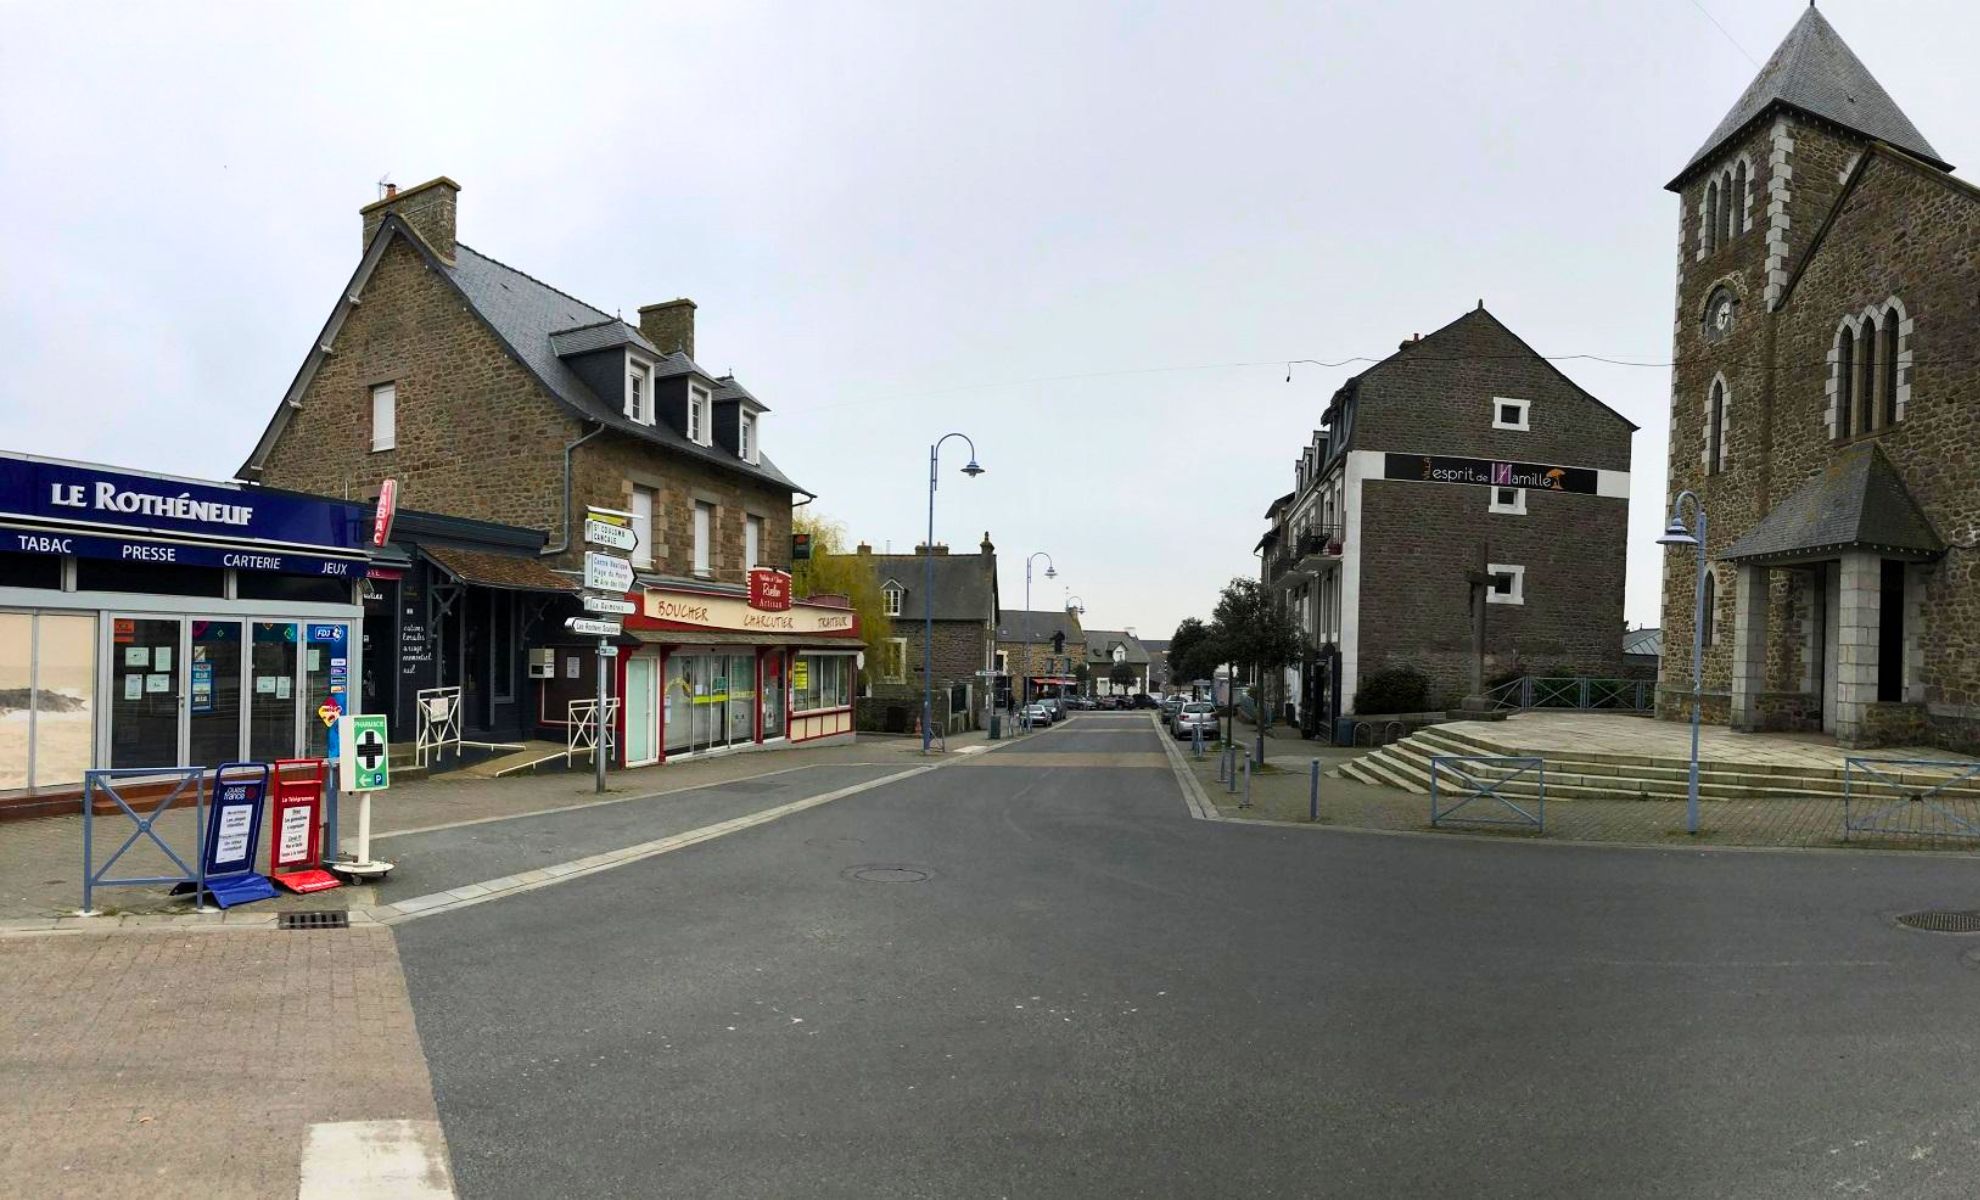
(863,548)
(986,545)
(941,548)
(669,326)
(428,208)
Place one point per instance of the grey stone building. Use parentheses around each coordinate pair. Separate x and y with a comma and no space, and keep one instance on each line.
(1823,407)
(1110,648)
(1462,468)
(1039,653)
(965,611)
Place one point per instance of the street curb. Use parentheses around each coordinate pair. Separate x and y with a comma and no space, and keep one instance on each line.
(1198,800)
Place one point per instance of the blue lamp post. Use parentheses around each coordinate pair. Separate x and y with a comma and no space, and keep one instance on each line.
(1676,533)
(928,587)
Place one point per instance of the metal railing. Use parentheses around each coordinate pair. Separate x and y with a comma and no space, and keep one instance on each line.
(581,731)
(439,712)
(1936,799)
(1478,777)
(1575,692)
(100,783)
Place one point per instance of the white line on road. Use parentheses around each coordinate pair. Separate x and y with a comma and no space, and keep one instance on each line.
(375,1160)
(1200,806)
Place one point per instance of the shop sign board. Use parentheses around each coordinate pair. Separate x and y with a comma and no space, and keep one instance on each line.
(606,604)
(233,827)
(381,516)
(45,541)
(801,674)
(607,573)
(592,628)
(295,844)
(1439,468)
(74,493)
(734,612)
(365,761)
(769,589)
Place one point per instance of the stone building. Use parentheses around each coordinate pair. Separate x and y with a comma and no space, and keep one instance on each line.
(493,398)
(1110,648)
(964,616)
(1463,468)
(1823,407)
(1039,653)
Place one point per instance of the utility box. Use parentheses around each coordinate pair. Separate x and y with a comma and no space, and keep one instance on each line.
(543,663)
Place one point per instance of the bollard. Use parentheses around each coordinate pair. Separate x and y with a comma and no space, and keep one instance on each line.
(1246,802)
(1231,787)
(1313,793)
(1196,741)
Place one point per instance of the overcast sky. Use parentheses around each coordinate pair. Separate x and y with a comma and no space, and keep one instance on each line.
(1088,236)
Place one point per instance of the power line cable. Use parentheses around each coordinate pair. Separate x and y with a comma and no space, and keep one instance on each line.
(1729,37)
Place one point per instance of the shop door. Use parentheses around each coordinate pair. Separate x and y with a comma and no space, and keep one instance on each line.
(145,691)
(273,693)
(773,694)
(742,699)
(214,709)
(326,676)
(642,747)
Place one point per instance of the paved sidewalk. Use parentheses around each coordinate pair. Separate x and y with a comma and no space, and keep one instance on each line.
(202,1064)
(41,860)
(1281,793)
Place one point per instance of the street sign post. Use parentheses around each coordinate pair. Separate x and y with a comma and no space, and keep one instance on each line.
(605,604)
(364,766)
(618,537)
(606,573)
(612,575)
(592,628)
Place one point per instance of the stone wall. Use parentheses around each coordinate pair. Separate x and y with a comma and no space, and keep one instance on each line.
(606,469)
(962,648)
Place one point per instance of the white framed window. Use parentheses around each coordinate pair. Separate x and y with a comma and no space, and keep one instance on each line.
(746,438)
(704,535)
(1510,500)
(384,416)
(752,541)
(893,662)
(642,526)
(1508,413)
(1508,584)
(892,593)
(639,391)
(697,414)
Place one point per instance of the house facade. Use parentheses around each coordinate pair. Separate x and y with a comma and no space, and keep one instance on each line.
(1107,649)
(1828,363)
(964,619)
(1463,468)
(489,396)
(1039,653)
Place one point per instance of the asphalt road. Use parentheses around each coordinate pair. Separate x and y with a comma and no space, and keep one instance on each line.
(1094,995)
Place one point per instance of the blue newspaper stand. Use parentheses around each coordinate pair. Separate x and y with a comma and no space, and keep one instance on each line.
(233,832)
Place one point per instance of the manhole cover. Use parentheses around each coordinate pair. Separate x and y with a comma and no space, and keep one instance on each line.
(888,874)
(315,920)
(1943,921)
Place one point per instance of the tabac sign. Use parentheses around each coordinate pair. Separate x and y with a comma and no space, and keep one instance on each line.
(703,611)
(1486,472)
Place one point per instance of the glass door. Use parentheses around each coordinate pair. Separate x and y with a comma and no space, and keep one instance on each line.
(272,692)
(773,694)
(680,703)
(742,699)
(214,700)
(640,723)
(145,691)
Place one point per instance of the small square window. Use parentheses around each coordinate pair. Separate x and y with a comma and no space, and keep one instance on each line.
(1510,414)
(1508,584)
(1509,500)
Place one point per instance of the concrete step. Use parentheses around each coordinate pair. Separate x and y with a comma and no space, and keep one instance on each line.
(1367,770)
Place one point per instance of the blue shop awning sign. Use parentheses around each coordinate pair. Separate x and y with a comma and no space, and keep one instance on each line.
(42,541)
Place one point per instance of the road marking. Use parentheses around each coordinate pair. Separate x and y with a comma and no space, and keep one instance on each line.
(1192,789)
(386,1160)
(528,881)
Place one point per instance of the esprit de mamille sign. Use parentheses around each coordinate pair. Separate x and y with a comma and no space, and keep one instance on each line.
(1438,468)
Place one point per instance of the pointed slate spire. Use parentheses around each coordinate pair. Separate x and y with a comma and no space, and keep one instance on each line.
(1814,71)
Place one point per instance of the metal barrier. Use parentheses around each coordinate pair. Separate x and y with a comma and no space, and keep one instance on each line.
(104,783)
(581,731)
(1473,784)
(1923,808)
(1577,692)
(439,710)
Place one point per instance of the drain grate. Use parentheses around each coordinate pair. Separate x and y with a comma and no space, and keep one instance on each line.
(315,920)
(888,874)
(1941,920)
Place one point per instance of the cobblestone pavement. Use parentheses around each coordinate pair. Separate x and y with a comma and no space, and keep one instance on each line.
(41,860)
(195,1064)
(1281,793)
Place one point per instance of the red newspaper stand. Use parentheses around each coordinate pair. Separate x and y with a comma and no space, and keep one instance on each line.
(295,835)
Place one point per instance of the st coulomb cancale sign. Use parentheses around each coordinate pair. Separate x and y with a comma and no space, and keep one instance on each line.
(1488,472)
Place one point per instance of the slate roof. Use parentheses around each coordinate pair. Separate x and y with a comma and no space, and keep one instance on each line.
(527,313)
(1858,500)
(509,571)
(1814,71)
(965,585)
(1644,641)
(599,335)
(1100,646)
(1011,626)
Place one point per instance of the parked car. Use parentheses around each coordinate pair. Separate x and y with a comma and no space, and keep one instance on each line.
(1144,700)
(1170,707)
(1036,714)
(1058,707)
(1197,714)
(1083,703)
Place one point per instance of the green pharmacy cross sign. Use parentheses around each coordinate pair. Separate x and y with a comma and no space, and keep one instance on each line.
(367,765)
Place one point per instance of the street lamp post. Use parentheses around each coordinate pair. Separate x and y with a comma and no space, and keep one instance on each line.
(928,588)
(1077,604)
(1051,572)
(1677,534)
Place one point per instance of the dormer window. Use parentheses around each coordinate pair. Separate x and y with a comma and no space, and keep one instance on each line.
(697,414)
(892,592)
(639,392)
(746,438)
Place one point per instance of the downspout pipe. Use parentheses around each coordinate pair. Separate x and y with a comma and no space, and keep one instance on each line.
(564,543)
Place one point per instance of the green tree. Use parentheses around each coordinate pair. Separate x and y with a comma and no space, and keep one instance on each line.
(833,571)
(1122,673)
(1193,653)
(1253,630)
(1083,674)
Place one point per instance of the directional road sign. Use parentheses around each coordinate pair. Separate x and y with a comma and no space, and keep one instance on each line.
(606,573)
(598,533)
(606,604)
(365,765)
(591,628)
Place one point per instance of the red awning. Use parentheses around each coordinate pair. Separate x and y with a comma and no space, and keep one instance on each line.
(1060,679)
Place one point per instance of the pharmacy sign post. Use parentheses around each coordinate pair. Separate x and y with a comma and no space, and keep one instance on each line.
(364,766)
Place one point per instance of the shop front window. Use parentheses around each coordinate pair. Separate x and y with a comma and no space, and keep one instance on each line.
(821,681)
(16,696)
(742,697)
(272,699)
(326,673)
(144,692)
(47,698)
(214,693)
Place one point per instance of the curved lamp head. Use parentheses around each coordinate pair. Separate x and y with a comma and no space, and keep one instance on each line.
(1051,572)
(1675,534)
(972,470)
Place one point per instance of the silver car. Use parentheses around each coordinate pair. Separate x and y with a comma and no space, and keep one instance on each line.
(1036,714)
(1197,714)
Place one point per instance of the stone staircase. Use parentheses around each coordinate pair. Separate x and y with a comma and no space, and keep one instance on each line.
(1586,775)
